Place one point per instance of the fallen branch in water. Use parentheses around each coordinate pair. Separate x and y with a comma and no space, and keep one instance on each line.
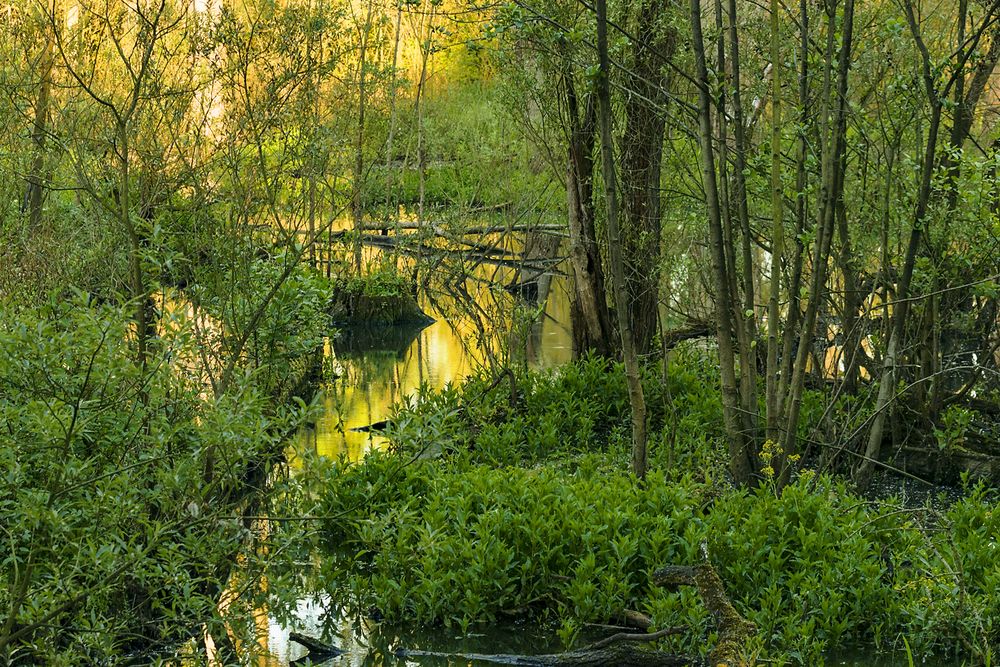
(315,647)
(620,655)
(378,427)
(635,637)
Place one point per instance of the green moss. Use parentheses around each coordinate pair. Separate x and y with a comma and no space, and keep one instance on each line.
(379,299)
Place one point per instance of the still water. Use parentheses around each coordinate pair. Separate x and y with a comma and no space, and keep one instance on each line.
(382,367)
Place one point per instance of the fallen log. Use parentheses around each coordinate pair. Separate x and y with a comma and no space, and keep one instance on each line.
(734,630)
(617,655)
(510,261)
(694,330)
(410,226)
(377,427)
(618,649)
(315,647)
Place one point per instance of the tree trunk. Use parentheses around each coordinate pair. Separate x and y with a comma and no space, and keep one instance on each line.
(642,153)
(801,218)
(777,232)
(357,203)
(744,314)
(887,383)
(622,303)
(739,457)
(592,329)
(425,55)
(833,148)
(389,199)
(39,130)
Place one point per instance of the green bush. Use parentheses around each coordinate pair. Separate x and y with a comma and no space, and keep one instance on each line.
(529,417)
(119,486)
(528,510)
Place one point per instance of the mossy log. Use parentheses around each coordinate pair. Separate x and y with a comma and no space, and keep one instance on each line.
(734,630)
(616,655)
(352,308)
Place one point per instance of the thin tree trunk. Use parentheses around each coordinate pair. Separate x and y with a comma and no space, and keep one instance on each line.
(777,232)
(313,92)
(833,148)
(851,302)
(632,373)
(801,217)
(390,210)
(36,177)
(357,202)
(739,459)
(744,315)
(425,54)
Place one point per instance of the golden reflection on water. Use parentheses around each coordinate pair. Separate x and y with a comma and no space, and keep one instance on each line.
(378,370)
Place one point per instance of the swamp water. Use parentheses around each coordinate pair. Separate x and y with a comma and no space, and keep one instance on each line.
(376,369)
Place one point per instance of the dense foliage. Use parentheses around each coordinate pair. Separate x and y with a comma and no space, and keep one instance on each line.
(123,485)
(533,524)
(782,218)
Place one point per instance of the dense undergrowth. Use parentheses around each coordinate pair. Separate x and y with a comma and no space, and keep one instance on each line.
(508,497)
(122,482)
(473,157)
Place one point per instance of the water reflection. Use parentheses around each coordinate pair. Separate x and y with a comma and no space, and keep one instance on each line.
(379,368)
(370,644)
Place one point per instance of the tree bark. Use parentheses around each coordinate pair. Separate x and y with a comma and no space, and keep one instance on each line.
(39,130)
(622,302)
(739,457)
(357,178)
(744,314)
(642,153)
(592,328)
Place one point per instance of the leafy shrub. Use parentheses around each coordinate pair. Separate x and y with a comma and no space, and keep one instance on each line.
(526,511)
(529,417)
(118,486)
